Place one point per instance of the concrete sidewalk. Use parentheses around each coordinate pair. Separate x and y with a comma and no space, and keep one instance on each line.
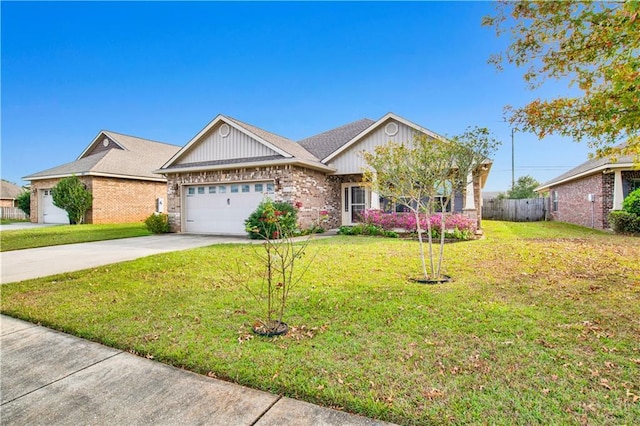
(51,378)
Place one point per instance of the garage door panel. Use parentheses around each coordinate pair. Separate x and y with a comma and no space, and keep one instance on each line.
(50,212)
(222,208)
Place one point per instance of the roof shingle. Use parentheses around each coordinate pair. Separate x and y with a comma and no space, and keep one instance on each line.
(137,161)
(325,143)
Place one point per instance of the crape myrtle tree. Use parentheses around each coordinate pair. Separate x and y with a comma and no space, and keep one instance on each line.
(592,46)
(72,196)
(411,175)
(471,151)
(425,175)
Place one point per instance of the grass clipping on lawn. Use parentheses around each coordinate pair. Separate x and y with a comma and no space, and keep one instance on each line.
(539,325)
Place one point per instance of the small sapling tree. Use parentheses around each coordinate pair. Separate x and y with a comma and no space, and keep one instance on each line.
(282,258)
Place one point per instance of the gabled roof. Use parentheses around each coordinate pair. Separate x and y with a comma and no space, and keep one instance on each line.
(589,167)
(136,160)
(9,191)
(288,150)
(373,126)
(325,143)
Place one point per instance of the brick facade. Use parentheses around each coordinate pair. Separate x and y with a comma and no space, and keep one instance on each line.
(292,184)
(114,200)
(573,205)
(316,191)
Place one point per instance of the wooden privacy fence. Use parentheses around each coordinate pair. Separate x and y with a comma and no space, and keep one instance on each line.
(12,213)
(525,210)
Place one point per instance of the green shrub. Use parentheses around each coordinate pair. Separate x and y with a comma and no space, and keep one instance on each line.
(72,196)
(158,223)
(623,222)
(366,229)
(272,219)
(631,204)
(24,202)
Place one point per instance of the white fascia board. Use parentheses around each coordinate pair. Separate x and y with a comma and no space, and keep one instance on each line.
(374,126)
(96,140)
(288,161)
(624,166)
(109,175)
(220,118)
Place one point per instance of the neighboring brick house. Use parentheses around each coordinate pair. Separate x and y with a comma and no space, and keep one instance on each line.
(118,170)
(587,193)
(8,194)
(219,177)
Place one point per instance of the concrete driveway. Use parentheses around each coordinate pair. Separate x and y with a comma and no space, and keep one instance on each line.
(24,225)
(26,264)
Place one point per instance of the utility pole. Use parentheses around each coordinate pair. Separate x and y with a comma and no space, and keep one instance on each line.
(513,161)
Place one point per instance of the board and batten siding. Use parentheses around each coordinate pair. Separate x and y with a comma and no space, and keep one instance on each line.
(351,160)
(215,146)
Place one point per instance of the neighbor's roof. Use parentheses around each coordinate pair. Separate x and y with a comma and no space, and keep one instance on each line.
(587,168)
(136,160)
(9,191)
(325,143)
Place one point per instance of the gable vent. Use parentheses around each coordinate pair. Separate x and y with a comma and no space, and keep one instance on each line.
(391,129)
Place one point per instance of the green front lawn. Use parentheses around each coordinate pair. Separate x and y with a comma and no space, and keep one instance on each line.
(68,234)
(540,325)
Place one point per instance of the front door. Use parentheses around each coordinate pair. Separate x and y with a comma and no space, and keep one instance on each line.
(355,200)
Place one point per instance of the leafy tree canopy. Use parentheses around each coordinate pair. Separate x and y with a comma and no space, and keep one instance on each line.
(71,195)
(24,202)
(595,48)
(523,188)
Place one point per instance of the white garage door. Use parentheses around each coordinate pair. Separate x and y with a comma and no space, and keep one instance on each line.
(51,213)
(222,208)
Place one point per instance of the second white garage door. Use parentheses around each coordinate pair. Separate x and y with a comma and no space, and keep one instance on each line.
(51,213)
(222,208)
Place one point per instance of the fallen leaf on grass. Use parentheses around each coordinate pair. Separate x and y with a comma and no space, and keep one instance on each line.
(244,337)
(433,393)
(605,384)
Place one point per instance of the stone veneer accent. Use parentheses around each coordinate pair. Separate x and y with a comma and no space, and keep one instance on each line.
(114,200)
(293,184)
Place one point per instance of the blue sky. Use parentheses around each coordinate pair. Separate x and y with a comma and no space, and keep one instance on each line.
(163,70)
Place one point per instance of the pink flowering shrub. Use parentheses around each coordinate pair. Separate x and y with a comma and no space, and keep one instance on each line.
(456,225)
